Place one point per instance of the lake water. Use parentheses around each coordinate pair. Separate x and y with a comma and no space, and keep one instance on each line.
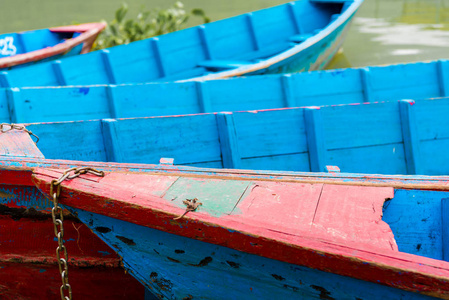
(384,31)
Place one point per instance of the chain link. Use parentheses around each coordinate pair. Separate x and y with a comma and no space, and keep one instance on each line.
(5,127)
(58,223)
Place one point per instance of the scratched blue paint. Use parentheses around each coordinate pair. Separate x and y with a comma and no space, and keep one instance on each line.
(414,216)
(177,267)
(104,252)
(205,49)
(411,81)
(264,140)
(84,90)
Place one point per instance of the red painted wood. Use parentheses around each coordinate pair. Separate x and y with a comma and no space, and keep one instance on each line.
(28,268)
(435,183)
(36,281)
(320,250)
(19,144)
(86,38)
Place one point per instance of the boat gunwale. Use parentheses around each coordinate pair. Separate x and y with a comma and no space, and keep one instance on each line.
(59,48)
(325,32)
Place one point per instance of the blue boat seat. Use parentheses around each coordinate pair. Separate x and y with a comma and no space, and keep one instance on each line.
(218,64)
(299,38)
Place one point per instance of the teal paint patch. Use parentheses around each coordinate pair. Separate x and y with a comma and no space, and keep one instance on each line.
(218,197)
(42,270)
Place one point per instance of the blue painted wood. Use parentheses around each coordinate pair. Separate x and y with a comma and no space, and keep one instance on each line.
(443,77)
(252,30)
(105,55)
(203,97)
(315,139)
(155,43)
(384,83)
(4,79)
(366,84)
(178,267)
(228,141)
(57,69)
(263,37)
(445,227)
(414,216)
(360,138)
(294,17)
(15,113)
(111,140)
(111,91)
(286,81)
(204,41)
(410,136)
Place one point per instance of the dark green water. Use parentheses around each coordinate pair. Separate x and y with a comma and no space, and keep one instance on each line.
(384,32)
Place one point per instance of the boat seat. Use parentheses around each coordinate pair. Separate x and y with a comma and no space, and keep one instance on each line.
(218,64)
(299,38)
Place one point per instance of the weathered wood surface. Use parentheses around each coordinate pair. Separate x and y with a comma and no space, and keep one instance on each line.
(366,138)
(263,39)
(48,44)
(28,259)
(16,143)
(335,239)
(411,81)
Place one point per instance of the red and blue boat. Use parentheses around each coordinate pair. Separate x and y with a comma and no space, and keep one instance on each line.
(264,233)
(30,47)
(188,232)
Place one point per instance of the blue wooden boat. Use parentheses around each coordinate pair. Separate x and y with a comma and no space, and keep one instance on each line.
(381,83)
(27,47)
(398,137)
(257,235)
(298,36)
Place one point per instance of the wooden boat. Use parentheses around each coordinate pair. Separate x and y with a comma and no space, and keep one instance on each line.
(25,48)
(256,234)
(298,36)
(383,83)
(398,137)
(28,265)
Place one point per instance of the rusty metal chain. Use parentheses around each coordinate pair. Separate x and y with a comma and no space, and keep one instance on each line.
(58,219)
(5,127)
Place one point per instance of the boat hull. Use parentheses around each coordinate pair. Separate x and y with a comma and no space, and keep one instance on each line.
(174,267)
(26,48)
(300,33)
(28,267)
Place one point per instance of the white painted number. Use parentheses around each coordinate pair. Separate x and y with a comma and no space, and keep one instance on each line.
(7,47)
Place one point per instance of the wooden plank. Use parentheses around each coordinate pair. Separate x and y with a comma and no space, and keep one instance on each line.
(410,136)
(155,44)
(228,140)
(14,107)
(289,96)
(443,77)
(252,31)
(203,96)
(111,91)
(385,267)
(315,139)
(294,17)
(366,84)
(353,214)
(445,227)
(111,140)
(4,79)
(105,56)
(58,72)
(205,41)
(17,143)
